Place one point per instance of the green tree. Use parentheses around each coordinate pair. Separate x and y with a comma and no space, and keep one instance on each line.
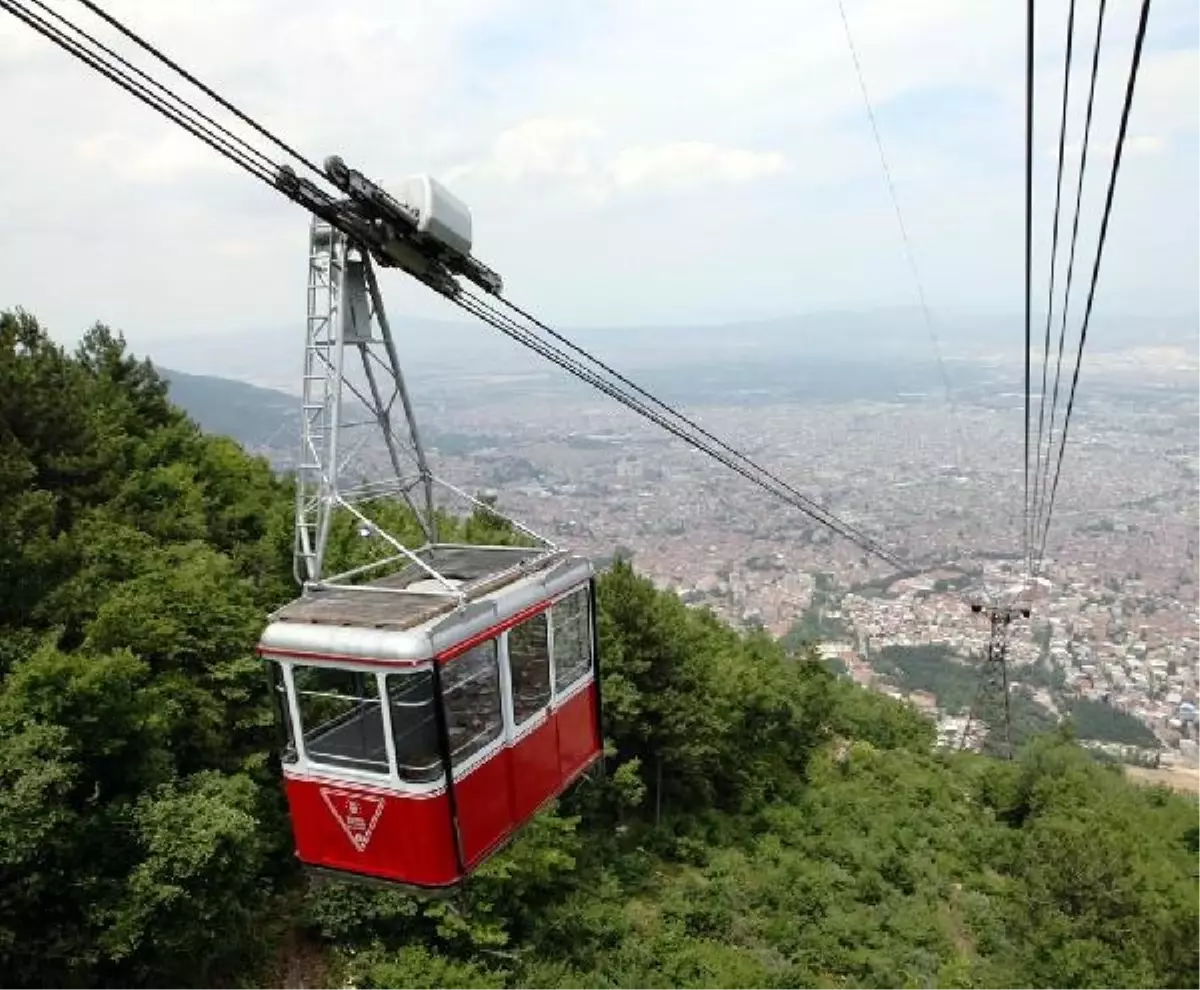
(758,823)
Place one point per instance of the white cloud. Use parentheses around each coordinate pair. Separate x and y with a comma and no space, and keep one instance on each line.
(579,152)
(166,157)
(545,146)
(1101,149)
(1146,144)
(554,120)
(690,164)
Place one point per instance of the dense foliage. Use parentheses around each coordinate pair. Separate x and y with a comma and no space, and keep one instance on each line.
(958,685)
(1099,720)
(931,667)
(759,824)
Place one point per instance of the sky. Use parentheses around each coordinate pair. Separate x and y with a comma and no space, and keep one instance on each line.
(631,162)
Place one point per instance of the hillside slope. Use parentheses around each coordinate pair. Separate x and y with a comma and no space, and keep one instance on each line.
(255,417)
(760,823)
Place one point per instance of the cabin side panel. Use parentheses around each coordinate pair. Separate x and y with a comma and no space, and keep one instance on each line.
(579,741)
(344,826)
(536,776)
(484,801)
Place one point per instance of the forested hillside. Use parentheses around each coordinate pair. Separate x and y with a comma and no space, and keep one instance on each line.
(760,823)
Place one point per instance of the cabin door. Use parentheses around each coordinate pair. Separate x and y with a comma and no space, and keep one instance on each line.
(533,731)
(473,703)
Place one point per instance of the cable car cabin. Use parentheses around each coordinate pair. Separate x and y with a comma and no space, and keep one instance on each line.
(421,733)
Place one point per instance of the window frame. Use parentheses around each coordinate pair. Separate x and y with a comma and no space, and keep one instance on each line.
(519,727)
(281,700)
(499,665)
(305,763)
(389,761)
(567,690)
(431,701)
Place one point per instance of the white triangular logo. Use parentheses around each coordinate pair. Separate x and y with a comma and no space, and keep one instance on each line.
(358,814)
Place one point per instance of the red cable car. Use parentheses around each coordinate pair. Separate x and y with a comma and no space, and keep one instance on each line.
(431,711)
(422,731)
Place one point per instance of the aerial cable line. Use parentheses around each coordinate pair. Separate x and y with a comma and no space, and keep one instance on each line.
(474,305)
(488,314)
(1108,202)
(166,60)
(670,410)
(249,148)
(479,308)
(140,91)
(807,505)
(1029,15)
(1062,332)
(1062,142)
(198,129)
(909,253)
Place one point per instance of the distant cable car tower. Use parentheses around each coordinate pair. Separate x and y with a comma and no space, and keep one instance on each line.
(433,697)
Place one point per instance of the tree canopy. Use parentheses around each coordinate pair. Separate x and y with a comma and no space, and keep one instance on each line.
(759,823)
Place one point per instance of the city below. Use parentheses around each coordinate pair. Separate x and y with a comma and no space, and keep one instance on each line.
(1112,635)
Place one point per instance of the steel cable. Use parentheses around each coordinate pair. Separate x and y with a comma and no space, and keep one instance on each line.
(1130,86)
(1062,144)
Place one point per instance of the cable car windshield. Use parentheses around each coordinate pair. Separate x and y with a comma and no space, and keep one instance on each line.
(414,726)
(342,723)
(341,719)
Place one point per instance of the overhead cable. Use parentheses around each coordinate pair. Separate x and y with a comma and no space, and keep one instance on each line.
(1066,306)
(1029,15)
(224,142)
(166,60)
(484,311)
(909,253)
(735,461)
(1062,144)
(1130,86)
(689,423)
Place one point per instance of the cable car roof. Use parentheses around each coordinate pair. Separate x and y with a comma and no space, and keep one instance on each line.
(383,622)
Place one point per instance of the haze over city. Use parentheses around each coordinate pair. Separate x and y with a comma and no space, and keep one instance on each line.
(615,179)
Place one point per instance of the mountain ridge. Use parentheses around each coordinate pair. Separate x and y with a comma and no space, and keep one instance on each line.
(271,356)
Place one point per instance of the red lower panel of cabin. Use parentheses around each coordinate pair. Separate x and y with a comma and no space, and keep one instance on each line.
(534,767)
(378,833)
(483,800)
(393,836)
(579,740)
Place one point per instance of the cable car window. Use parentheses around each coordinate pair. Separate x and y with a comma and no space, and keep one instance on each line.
(283,711)
(529,661)
(471,689)
(414,726)
(340,717)
(572,639)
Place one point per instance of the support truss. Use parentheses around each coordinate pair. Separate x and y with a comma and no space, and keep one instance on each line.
(360,445)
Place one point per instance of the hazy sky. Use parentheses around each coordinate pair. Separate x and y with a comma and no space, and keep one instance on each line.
(632,161)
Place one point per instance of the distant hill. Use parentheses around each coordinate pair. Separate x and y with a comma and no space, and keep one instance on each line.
(258,418)
(270,356)
(433,349)
(263,420)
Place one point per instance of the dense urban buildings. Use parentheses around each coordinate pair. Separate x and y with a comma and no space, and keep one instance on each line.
(1114,621)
